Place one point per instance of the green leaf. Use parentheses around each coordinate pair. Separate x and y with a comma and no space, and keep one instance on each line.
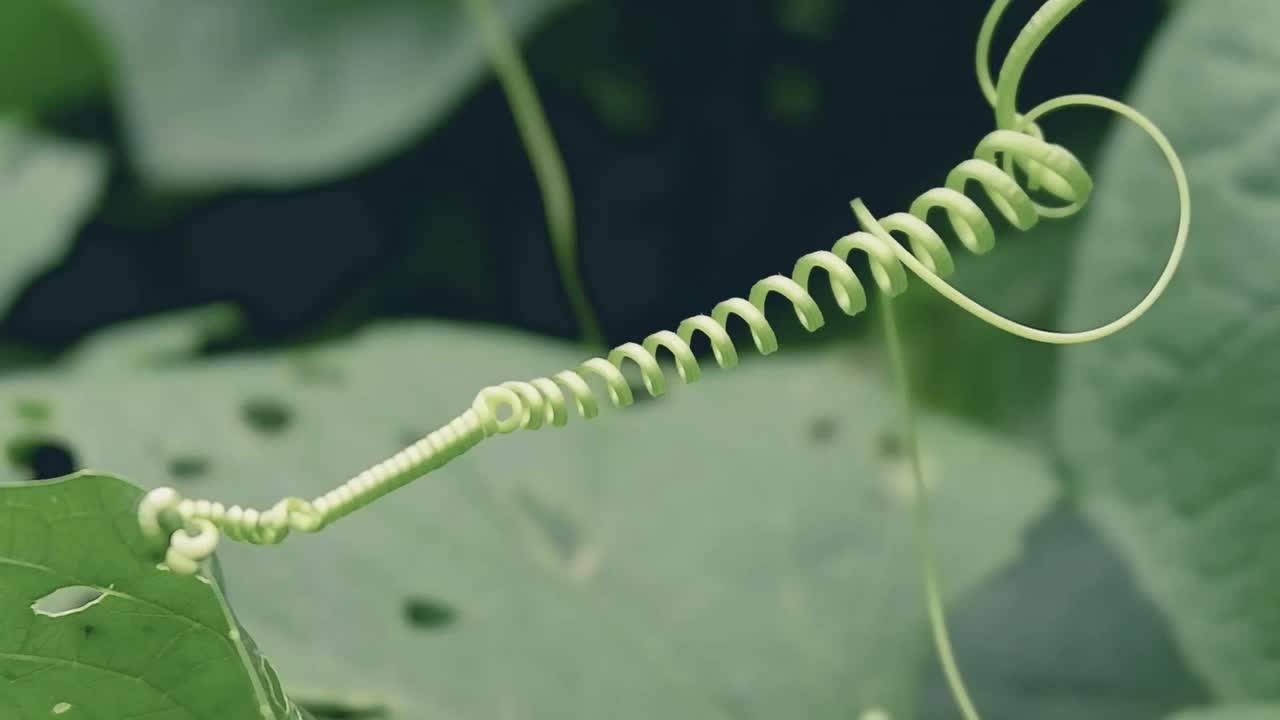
(289,91)
(1235,712)
(133,641)
(48,55)
(742,544)
(1169,427)
(47,188)
(1063,634)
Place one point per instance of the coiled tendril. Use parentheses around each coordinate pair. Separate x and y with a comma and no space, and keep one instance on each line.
(1008,165)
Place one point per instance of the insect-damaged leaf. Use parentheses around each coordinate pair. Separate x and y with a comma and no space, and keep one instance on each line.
(744,542)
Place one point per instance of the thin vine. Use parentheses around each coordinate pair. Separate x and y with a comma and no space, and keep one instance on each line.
(1009,164)
(544,155)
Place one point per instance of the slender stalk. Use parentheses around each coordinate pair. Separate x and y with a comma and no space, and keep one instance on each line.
(544,155)
(922,522)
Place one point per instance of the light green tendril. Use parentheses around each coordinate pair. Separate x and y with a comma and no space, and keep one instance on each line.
(544,155)
(1013,155)
(922,522)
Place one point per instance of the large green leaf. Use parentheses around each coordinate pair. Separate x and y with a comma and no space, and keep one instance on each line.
(1170,427)
(288,91)
(47,187)
(740,548)
(139,643)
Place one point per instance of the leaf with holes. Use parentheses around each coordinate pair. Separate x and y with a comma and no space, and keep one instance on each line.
(1169,427)
(744,543)
(290,91)
(92,629)
(47,187)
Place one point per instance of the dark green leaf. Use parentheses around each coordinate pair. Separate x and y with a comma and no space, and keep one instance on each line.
(91,628)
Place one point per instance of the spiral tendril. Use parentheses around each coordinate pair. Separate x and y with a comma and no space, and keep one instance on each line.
(1009,164)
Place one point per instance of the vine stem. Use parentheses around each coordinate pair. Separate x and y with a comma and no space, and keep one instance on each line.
(544,155)
(922,520)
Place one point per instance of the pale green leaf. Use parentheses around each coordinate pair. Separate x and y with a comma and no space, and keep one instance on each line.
(47,188)
(1169,427)
(742,546)
(288,91)
(136,642)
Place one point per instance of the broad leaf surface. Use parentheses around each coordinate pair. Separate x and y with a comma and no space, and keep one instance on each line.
(155,645)
(741,547)
(1169,427)
(47,188)
(289,91)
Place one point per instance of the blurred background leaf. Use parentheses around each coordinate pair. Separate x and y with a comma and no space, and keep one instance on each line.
(276,94)
(1168,429)
(49,56)
(48,187)
(1063,634)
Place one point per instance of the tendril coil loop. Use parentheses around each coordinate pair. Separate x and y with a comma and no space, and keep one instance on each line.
(1009,164)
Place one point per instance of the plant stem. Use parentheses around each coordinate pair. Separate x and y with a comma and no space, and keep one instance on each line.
(544,155)
(922,520)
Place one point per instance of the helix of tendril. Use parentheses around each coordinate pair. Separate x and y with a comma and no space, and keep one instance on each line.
(544,401)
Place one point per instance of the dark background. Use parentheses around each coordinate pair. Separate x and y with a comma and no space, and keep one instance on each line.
(709,144)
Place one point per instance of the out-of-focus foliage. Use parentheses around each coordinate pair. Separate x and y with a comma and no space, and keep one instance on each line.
(285,92)
(1169,429)
(47,188)
(49,56)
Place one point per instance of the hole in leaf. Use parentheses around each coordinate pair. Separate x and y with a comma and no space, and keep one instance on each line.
(889,445)
(426,613)
(61,708)
(189,467)
(67,600)
(823,429)
(42,457)
(269,417)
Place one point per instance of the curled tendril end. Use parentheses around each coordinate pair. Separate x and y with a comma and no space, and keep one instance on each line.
(186,543)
